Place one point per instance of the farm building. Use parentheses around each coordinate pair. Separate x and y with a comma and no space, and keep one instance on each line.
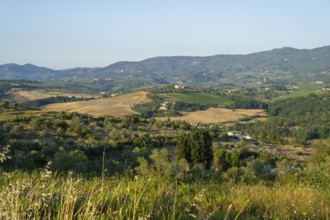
(239,134)
(179,85)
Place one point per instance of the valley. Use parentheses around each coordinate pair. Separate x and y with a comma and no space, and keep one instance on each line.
(165,110)
(240,140)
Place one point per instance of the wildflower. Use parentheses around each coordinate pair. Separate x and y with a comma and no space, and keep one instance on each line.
(145,217)
(192,215)
(3,154)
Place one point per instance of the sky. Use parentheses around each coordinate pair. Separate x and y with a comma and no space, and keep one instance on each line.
(83,33)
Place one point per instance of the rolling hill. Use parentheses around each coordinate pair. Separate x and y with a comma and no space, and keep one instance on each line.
(276,64)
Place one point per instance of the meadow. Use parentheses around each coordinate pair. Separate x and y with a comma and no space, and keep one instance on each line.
(304,89)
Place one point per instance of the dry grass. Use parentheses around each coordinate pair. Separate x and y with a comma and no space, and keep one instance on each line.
(282,201)
(115,106)
(218,115)
(40,94)
(44,196)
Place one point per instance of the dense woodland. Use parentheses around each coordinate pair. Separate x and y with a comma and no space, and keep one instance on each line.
(275,65)
(301,118)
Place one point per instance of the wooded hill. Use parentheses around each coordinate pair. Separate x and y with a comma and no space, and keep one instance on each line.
(277,64)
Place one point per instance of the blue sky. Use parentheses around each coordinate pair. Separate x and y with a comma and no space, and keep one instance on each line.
(62,34)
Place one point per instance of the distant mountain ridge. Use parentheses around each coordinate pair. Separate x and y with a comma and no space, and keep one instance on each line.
(284,63)
(25,72)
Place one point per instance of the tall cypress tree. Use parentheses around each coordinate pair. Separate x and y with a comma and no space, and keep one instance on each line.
(195,147)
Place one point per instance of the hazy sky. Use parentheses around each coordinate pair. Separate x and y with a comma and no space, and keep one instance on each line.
(68,33)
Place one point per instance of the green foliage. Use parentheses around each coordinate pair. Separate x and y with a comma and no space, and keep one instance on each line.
(161,161)
(232,158)
(197,98)
(4,104)
(321,151)
(248,104)
(195,147)
(300,106)
(220,160)
(139,142)
(183,147)
(303,118)
(54,99)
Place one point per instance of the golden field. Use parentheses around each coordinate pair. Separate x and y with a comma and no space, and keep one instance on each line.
(115,106)
(218,115)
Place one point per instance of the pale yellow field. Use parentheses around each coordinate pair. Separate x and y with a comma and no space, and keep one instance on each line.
(115,106)
(40,94)
(218,115)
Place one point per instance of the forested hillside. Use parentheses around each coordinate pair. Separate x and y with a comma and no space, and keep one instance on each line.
(301,118)
(276,64)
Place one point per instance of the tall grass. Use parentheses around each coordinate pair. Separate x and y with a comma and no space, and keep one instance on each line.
(51,196)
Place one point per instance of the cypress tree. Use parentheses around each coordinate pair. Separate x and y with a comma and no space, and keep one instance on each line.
(195,147)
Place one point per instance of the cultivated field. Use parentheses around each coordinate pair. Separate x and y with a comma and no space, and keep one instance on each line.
(40,94)
(115,106)
(218,115)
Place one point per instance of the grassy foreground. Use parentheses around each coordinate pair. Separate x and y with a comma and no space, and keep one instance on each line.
(45,195)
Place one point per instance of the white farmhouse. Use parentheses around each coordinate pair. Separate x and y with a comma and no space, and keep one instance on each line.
(239,134)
